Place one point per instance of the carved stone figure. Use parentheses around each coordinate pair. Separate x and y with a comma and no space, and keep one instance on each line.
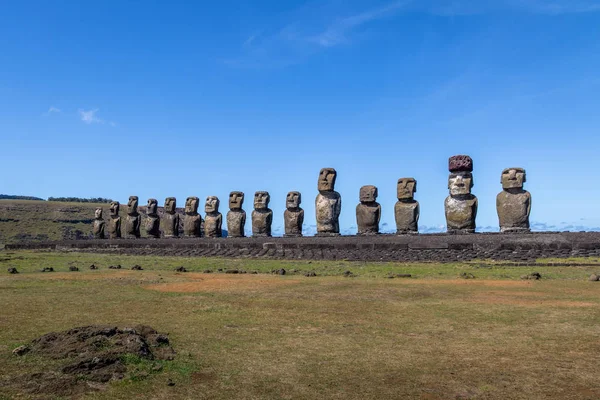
(170,222)
(513,203)
(213,220)
(98,227)
(152,224)
(407,209)
(114,221)
(262,216)
(192,222)
(133,221)
(328,204)
(236,217)
(461,205)
(368,211)
(293,216)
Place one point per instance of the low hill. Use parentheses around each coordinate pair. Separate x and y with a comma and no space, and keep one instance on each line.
(30,220)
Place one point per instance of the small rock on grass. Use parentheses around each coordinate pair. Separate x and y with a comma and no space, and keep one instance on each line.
(536,276)
(180,269)
(72,268)
(467,275)
(93,266)
(19,351)
(47,269)
(208,271)
(348,274)
(311,273)
(13,270)
(137,268)
(594,278)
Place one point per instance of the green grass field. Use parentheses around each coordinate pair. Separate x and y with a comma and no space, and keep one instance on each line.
(254,336)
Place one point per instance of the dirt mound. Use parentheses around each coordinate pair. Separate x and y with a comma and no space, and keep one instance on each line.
(93,355)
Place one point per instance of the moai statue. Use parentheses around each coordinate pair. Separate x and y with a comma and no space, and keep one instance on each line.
(192,222)
(114,221)
(513,203)
(407,209)
(293,216)
(98,227)
(170,222)
(133,221)
(213,219)
(328,204)
(152,224)
(368,211)
(262,216)
(236,217)
(461,205)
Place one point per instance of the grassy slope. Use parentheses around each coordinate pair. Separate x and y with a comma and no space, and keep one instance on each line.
(291,337)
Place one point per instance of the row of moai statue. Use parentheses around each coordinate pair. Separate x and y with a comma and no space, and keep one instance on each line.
(513,205)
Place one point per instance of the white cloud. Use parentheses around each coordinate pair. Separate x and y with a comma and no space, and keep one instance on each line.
(52,110)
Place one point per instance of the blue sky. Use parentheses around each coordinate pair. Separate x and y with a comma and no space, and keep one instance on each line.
(163,99)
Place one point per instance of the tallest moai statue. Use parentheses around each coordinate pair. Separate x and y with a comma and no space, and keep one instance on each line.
(328,204)
(461,205)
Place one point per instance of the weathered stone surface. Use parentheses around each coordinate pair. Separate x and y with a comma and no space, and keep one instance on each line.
(328,204)
(513,204)
(293,216)
(213,220)
(170,223)
(98,227)
(133,221)
(460,163)
(407,209)
(152,224)
(192,221)
(461,205)
(262,216)
(114,221)
(236,217)
(368,211)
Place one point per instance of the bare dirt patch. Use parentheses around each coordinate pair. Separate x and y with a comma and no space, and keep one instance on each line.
(219,283)
(86,358)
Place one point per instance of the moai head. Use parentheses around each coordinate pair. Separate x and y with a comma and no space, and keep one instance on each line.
(212,204)
(152,207)
(170,205)
(406,189)
(114,209)
(368,194)
(191,205)
(293,200)
(98,213)
(460,180)
(132,205)
(327,178)
(513,178)
(236,200)
(261,200)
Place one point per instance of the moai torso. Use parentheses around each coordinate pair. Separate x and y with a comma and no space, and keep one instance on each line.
(293,216)
(114,221)
(368,212)
(328,204)
(262,216)
(133,221)
(192,221)
(152,224)
(213,220)
(98,226)
(513,204)
(461,205)
(406,210)
(236,216)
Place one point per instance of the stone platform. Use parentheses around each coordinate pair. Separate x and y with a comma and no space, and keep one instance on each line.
(441,248)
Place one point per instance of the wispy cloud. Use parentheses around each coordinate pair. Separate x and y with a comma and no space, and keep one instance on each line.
(52,110)
(89,117)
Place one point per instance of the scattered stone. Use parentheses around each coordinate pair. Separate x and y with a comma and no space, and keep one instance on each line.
(115,267)
(232,271)
(220,270)
(180,269)
(594,278)
(311,273)
(47,269)
(208,271)
(391,275)
(13,270)
(73,268)
(21,350)
(137,268)
(348,274)
(170,382)
(281,271)
(533,276)
(467,275)
(254,272)
(157,368)
(93,266)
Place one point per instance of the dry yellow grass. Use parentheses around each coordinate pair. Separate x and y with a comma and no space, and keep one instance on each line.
(291,337)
